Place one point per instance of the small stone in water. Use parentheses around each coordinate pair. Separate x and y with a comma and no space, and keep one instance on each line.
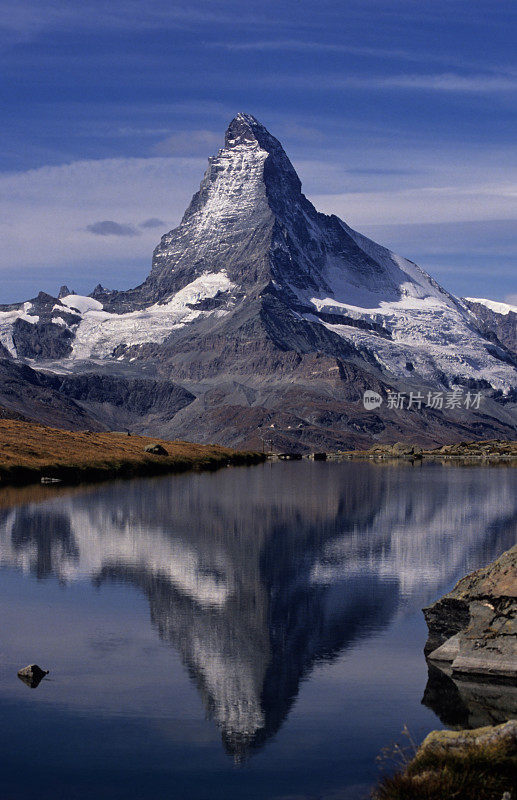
(32,675)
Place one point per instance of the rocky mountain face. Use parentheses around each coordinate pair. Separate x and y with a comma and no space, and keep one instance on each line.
(498,321)
(86,401)
(276,319)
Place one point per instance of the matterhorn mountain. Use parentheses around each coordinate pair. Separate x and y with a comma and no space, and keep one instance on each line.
(265,322)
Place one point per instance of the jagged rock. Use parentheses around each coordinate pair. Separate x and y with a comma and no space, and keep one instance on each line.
(401,448)
(156,450)
(474,627)
(42,340)
(32,675)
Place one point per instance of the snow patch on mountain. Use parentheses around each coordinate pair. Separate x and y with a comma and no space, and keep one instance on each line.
(429,331)
(77,302)
(100,332)
(7,320)
(493,305)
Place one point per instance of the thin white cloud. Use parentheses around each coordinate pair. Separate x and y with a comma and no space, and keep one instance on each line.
(24,20)
(450,82)
(420,56)
(327,81)
(423,204)
(445,82)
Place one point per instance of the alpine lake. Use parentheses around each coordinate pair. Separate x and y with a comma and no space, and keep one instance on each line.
(248,634)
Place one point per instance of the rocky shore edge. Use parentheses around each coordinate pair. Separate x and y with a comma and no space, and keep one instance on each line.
(30,453)
(473,639)
(488,450)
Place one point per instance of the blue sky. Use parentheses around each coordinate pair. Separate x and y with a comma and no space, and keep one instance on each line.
(399,116)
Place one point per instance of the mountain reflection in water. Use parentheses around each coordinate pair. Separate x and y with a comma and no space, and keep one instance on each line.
(253,575)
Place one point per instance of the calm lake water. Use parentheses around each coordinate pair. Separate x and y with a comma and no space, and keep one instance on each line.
(250,633)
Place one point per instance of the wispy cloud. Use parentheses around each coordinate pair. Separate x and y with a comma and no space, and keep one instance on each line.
(444,82)
(321,80)
(365,171)
(432,82)
(423,204)
(108,227)
(420,56)
(25,19)
(303,46)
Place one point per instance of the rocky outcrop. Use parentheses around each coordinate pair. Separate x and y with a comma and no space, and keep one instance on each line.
(139,396)
(42,340)
(484,450)
(44,328)
(474,627)
(30,395)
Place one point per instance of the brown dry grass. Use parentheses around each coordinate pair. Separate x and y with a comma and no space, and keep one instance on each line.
(29,451)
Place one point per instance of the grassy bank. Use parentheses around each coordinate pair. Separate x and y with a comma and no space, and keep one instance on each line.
(29,452)
(464,765)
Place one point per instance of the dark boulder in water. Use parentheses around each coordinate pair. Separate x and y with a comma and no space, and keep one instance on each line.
(32,675)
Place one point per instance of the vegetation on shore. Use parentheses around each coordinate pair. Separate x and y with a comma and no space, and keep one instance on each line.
(460,765)
(29,452)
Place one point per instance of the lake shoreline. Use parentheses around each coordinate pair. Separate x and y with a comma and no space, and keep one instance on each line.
(30,453)
(483,451)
